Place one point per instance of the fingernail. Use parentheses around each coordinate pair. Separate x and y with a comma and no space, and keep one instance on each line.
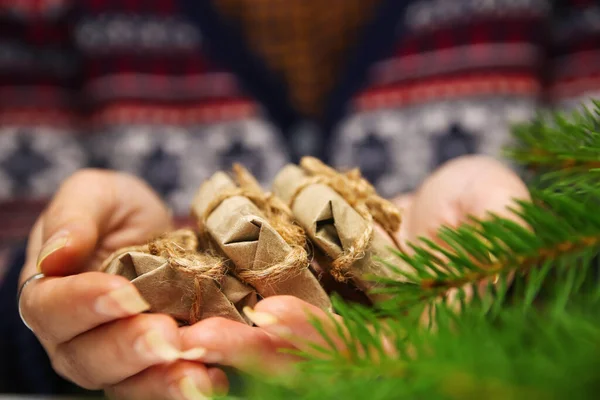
(153,343)
(122,301)
(193,354)
(260,318)
(56,242)
(267,321)
(186,389)
(201,354)
(211,357)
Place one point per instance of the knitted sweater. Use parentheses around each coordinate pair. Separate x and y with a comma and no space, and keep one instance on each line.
(172,91)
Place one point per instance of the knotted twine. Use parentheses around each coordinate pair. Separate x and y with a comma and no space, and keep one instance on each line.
(179,249)
(361,196)
(278,215)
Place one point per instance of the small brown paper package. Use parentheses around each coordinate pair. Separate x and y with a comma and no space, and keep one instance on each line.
(320,200)
(255,230)
(175,279)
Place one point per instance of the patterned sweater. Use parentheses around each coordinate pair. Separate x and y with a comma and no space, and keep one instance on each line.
(174,90)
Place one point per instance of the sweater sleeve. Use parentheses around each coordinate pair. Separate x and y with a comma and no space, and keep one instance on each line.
(24,365)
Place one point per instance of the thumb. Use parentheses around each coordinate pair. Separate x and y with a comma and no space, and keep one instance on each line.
(291,319)
(464,187)
(73,221)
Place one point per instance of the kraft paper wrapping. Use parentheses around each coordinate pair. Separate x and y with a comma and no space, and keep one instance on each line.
(176,280)
(259,252)
(334,226)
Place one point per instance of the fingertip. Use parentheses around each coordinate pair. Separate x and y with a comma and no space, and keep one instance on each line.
(190,381)
(161,323)
(284,304)
(179,380)
(66,250)
(53,249)
(220,336)
(120,299)
(277,311)
(219,381)
(499,198)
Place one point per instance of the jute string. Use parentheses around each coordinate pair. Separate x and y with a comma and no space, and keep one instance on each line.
(179,249)
(278,215)
(361,196)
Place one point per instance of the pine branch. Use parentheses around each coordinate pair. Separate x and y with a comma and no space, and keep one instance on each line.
(562,226)
(560,142)
(522,356)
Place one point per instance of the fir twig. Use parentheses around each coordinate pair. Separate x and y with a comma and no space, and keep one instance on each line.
(557,226)
(560,142)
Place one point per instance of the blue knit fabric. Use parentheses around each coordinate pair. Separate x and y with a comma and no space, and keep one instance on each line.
(24,365)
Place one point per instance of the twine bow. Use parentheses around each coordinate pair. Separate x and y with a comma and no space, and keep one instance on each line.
(278,215)
(357,191)
(361,196)
(179,248)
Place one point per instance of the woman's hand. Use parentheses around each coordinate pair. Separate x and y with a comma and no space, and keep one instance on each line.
(466,186)
(90,322)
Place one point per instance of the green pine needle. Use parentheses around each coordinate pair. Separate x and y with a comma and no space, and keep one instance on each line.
(558,227)
(560,141)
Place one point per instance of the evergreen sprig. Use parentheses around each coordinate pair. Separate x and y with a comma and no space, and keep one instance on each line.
(556,227)
(520,356)
(531,330)
(557,141)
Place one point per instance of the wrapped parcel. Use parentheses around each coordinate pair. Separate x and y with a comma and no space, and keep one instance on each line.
(256,232)
(338,212)
(176,279)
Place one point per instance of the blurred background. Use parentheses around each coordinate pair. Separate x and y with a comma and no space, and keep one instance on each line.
(173,91)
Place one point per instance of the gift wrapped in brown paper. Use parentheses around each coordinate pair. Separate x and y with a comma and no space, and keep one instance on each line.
(176,279)
(338,212)
(256,231)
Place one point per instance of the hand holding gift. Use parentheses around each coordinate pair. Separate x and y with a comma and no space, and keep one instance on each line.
(96,347)
(252,245)
(178,280)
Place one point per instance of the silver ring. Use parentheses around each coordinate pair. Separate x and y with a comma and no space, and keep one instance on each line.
(27,282)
